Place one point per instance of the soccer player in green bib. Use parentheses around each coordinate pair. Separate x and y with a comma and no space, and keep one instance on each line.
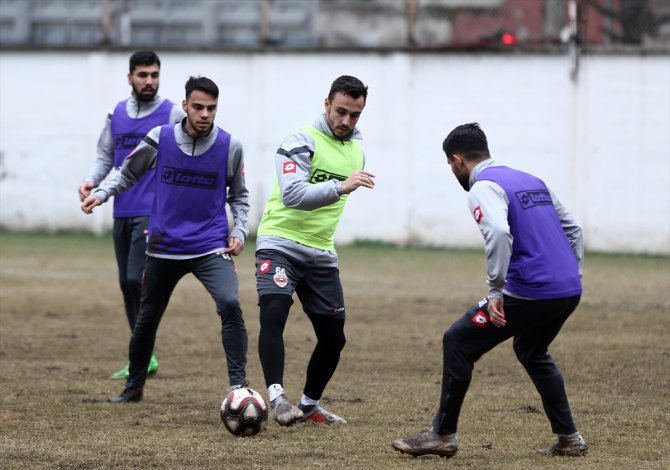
(317,167)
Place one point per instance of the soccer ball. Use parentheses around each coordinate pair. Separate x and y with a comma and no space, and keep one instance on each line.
(244,412)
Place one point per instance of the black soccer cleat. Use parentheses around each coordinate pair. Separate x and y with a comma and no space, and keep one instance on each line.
(129,395)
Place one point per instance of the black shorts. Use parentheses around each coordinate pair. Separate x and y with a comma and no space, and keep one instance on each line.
(319,288)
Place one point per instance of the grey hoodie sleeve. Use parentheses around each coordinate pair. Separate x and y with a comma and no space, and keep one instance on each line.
(293,162)
(104,162)
(140,161)
(238,194)
(573,231)
(489,206)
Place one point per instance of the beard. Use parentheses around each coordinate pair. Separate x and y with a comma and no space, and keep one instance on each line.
(144,96)
(200,129)
(464,180)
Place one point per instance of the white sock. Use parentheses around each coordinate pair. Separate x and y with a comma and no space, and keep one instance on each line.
(307,401)
(274,391)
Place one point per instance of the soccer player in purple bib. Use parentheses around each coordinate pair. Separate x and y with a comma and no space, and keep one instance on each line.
(124,129)
(199,169)
(534,255)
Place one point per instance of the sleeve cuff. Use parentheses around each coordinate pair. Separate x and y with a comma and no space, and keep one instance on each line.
(101,194)
(338,187)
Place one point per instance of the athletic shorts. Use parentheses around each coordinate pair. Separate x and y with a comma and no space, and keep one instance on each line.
(319,288)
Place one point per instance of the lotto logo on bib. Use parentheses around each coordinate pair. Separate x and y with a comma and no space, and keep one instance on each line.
(280,277)
(320,176)
(193,179)
(128,141)
(536,198)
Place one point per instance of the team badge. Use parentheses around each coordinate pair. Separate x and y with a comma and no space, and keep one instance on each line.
(264,266)
(290,167)
(479,215)
(280,277)
(480,319)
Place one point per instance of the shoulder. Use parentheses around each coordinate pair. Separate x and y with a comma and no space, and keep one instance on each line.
(118,107)
(486,189)
(153,136)
(235,144)
(297,142)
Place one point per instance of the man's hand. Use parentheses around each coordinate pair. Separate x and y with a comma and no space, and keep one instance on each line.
(496,312)
(235,246)
(357,179)
(85,189)
(89,203)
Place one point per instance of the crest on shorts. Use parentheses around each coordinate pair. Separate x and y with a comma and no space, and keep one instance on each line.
(280,277)
(480,319)
(264,266)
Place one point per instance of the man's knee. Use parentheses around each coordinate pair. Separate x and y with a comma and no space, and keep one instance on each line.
(228,308)
(131,283)
(339,342)
(274,309)
(334,341)
(533,360)
(329,332)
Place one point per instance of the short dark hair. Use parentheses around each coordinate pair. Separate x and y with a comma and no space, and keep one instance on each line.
(203,84)
(350,86)
(467,140)
(143,58)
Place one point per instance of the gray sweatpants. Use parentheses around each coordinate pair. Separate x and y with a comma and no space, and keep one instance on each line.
(217,273)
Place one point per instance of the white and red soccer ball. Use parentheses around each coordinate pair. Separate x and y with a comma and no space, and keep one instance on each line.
(244,412)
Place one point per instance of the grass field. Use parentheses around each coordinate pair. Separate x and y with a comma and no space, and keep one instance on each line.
(63,332)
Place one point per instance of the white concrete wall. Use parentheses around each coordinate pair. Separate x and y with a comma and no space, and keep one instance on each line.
(602,144)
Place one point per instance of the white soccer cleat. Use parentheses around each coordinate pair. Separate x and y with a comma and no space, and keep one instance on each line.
(285,413)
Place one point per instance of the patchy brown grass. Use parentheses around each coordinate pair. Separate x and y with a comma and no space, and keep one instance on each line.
(63,332)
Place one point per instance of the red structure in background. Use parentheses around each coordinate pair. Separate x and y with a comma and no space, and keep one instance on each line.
(523,22)
(518,19)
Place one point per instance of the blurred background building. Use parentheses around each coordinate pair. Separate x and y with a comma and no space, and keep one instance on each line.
(309,24)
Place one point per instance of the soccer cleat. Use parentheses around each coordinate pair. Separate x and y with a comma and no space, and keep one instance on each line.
(316,414)
(153,365)
(285,413)
(122,374)
(572,445)
(129,395)
(428,442)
